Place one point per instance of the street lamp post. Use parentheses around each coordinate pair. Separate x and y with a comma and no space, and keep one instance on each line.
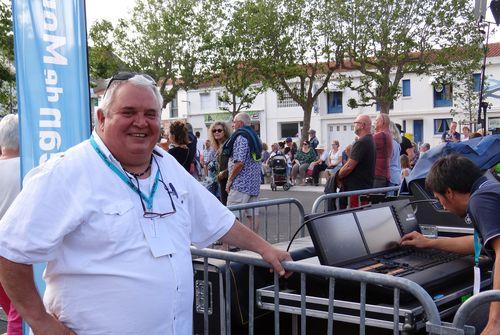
(481,12)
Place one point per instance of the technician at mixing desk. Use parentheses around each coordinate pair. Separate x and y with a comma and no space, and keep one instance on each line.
(461,188)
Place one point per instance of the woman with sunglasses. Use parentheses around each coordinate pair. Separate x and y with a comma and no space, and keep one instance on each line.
(179,139)
(218,133)
(304,157)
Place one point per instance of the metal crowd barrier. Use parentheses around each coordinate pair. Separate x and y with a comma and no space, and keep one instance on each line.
(468,307)
(322,199)
(332,273)
(283,229)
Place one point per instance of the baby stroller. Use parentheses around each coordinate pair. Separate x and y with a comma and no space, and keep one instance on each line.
(279,176)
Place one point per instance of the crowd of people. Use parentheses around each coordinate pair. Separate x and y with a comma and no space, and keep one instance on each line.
(391,160)
(117,242)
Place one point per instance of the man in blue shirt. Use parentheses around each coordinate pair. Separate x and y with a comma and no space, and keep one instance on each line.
(313,139)
(243,184)
(461,188)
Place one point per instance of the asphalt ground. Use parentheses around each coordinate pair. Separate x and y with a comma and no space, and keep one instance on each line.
(278,224)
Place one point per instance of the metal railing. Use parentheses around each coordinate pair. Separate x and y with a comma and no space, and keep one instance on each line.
(332,273)
(337,196)
(468,307)
(271,214)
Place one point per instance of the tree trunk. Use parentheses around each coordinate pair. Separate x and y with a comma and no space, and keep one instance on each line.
(307,122)
(235,110)
(384,107)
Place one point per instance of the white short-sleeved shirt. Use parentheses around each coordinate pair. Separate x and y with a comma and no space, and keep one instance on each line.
(10,182)
(109,270)
(335,157)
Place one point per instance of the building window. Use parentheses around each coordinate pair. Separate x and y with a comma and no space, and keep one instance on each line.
(205,101)
(334,102)
(290,129)
(441,125)
(174,108)
(443,95)
(287,101)
(477,82)
(406,88)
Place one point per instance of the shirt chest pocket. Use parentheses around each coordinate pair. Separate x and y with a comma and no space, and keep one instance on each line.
(119,221)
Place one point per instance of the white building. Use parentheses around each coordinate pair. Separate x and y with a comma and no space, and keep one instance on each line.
(423,109)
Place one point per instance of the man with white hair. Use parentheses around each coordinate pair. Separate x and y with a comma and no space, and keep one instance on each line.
(10,184)
(114,218)
(244,149)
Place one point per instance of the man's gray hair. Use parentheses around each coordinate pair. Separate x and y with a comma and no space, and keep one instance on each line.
(9,132)
(243,117)
(137,80)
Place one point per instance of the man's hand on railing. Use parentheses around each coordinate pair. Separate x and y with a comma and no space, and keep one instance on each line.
(274,257)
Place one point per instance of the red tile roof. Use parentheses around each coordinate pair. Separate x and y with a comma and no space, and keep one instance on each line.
(493,50)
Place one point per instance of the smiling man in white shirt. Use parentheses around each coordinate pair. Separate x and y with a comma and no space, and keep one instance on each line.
(114,218)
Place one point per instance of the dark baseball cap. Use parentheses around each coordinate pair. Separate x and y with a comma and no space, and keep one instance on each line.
(288,139)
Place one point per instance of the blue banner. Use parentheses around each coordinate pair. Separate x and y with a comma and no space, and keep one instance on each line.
(50,46)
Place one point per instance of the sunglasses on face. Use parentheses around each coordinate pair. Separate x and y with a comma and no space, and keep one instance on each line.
(124,76)
(218,131)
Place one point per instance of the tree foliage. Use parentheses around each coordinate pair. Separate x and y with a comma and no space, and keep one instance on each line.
(388,38)
(167,40)
(103,61)
(229,59)
(294,46)
(7,72)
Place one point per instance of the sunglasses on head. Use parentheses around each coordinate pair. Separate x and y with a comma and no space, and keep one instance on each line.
(124,76)
(217,130)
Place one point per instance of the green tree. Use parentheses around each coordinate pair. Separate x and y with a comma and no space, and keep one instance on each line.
(295,47)
(8,99)
(103,61)
(230,62)
(387,39)
(166,39)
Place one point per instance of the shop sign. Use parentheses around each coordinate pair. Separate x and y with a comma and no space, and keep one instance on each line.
(227,117)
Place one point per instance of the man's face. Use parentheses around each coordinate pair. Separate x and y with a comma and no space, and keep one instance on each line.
(132,124)
(453,126)
(358,126)
(450,204)
(237,124)
(289,144)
